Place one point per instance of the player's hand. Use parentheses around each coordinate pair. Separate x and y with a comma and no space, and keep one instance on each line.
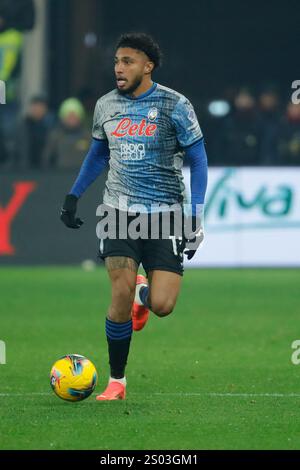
(194,236)
(68,212)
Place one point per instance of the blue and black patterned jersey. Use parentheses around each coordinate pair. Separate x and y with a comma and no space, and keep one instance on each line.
(146,137)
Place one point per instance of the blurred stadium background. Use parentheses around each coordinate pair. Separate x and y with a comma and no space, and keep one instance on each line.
(236,62)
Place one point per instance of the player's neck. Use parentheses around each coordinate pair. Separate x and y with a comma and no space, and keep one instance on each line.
(142,88)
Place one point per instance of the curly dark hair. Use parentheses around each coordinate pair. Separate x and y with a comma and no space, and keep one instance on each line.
(142,42)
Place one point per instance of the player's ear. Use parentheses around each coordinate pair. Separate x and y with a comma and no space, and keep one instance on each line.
(149,67)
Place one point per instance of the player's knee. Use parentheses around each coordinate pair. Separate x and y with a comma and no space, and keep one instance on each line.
(162,308)
(122,297)
(123,287)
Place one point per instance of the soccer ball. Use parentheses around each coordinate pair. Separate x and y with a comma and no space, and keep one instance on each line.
(73,377)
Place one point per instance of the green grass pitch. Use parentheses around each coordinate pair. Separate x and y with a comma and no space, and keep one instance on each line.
(216,374)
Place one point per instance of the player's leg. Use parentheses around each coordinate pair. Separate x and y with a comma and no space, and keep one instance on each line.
(163,291)
(122,272)
(160,292)
(163,261)
(122,258)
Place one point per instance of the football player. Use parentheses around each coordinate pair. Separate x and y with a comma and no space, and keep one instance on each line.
(142,131)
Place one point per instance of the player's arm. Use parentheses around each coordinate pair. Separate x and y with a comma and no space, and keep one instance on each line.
(94,163)
(197,157)
(190,138)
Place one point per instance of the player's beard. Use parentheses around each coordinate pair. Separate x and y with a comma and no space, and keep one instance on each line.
(133,87)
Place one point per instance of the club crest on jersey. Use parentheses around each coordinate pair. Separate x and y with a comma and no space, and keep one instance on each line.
(152,115)
(127,127)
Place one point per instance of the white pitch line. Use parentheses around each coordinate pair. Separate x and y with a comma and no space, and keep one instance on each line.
(25,394)
(215,394)
(178,394)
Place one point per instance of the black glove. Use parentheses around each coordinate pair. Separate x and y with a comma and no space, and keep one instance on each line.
(194,234)
(68,211)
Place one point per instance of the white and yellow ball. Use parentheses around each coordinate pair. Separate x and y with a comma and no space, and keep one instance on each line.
(73,377)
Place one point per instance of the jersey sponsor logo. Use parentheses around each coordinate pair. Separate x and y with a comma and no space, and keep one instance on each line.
(133,151)
(126,127)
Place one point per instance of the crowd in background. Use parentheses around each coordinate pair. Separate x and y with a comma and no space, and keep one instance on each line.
(245,130)
(42,139)
(257,130)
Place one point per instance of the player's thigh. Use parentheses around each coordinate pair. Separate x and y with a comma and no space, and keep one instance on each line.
(122,258)
(164,287)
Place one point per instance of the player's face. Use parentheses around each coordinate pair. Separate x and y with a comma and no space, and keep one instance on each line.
(131,68)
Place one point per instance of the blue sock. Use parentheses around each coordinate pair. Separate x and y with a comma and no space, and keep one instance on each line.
(118,338)
(144,296)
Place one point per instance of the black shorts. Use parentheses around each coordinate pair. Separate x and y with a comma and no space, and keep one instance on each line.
(154,254)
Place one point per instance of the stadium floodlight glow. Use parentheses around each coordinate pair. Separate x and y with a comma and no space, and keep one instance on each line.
(90,39)
(219,108)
